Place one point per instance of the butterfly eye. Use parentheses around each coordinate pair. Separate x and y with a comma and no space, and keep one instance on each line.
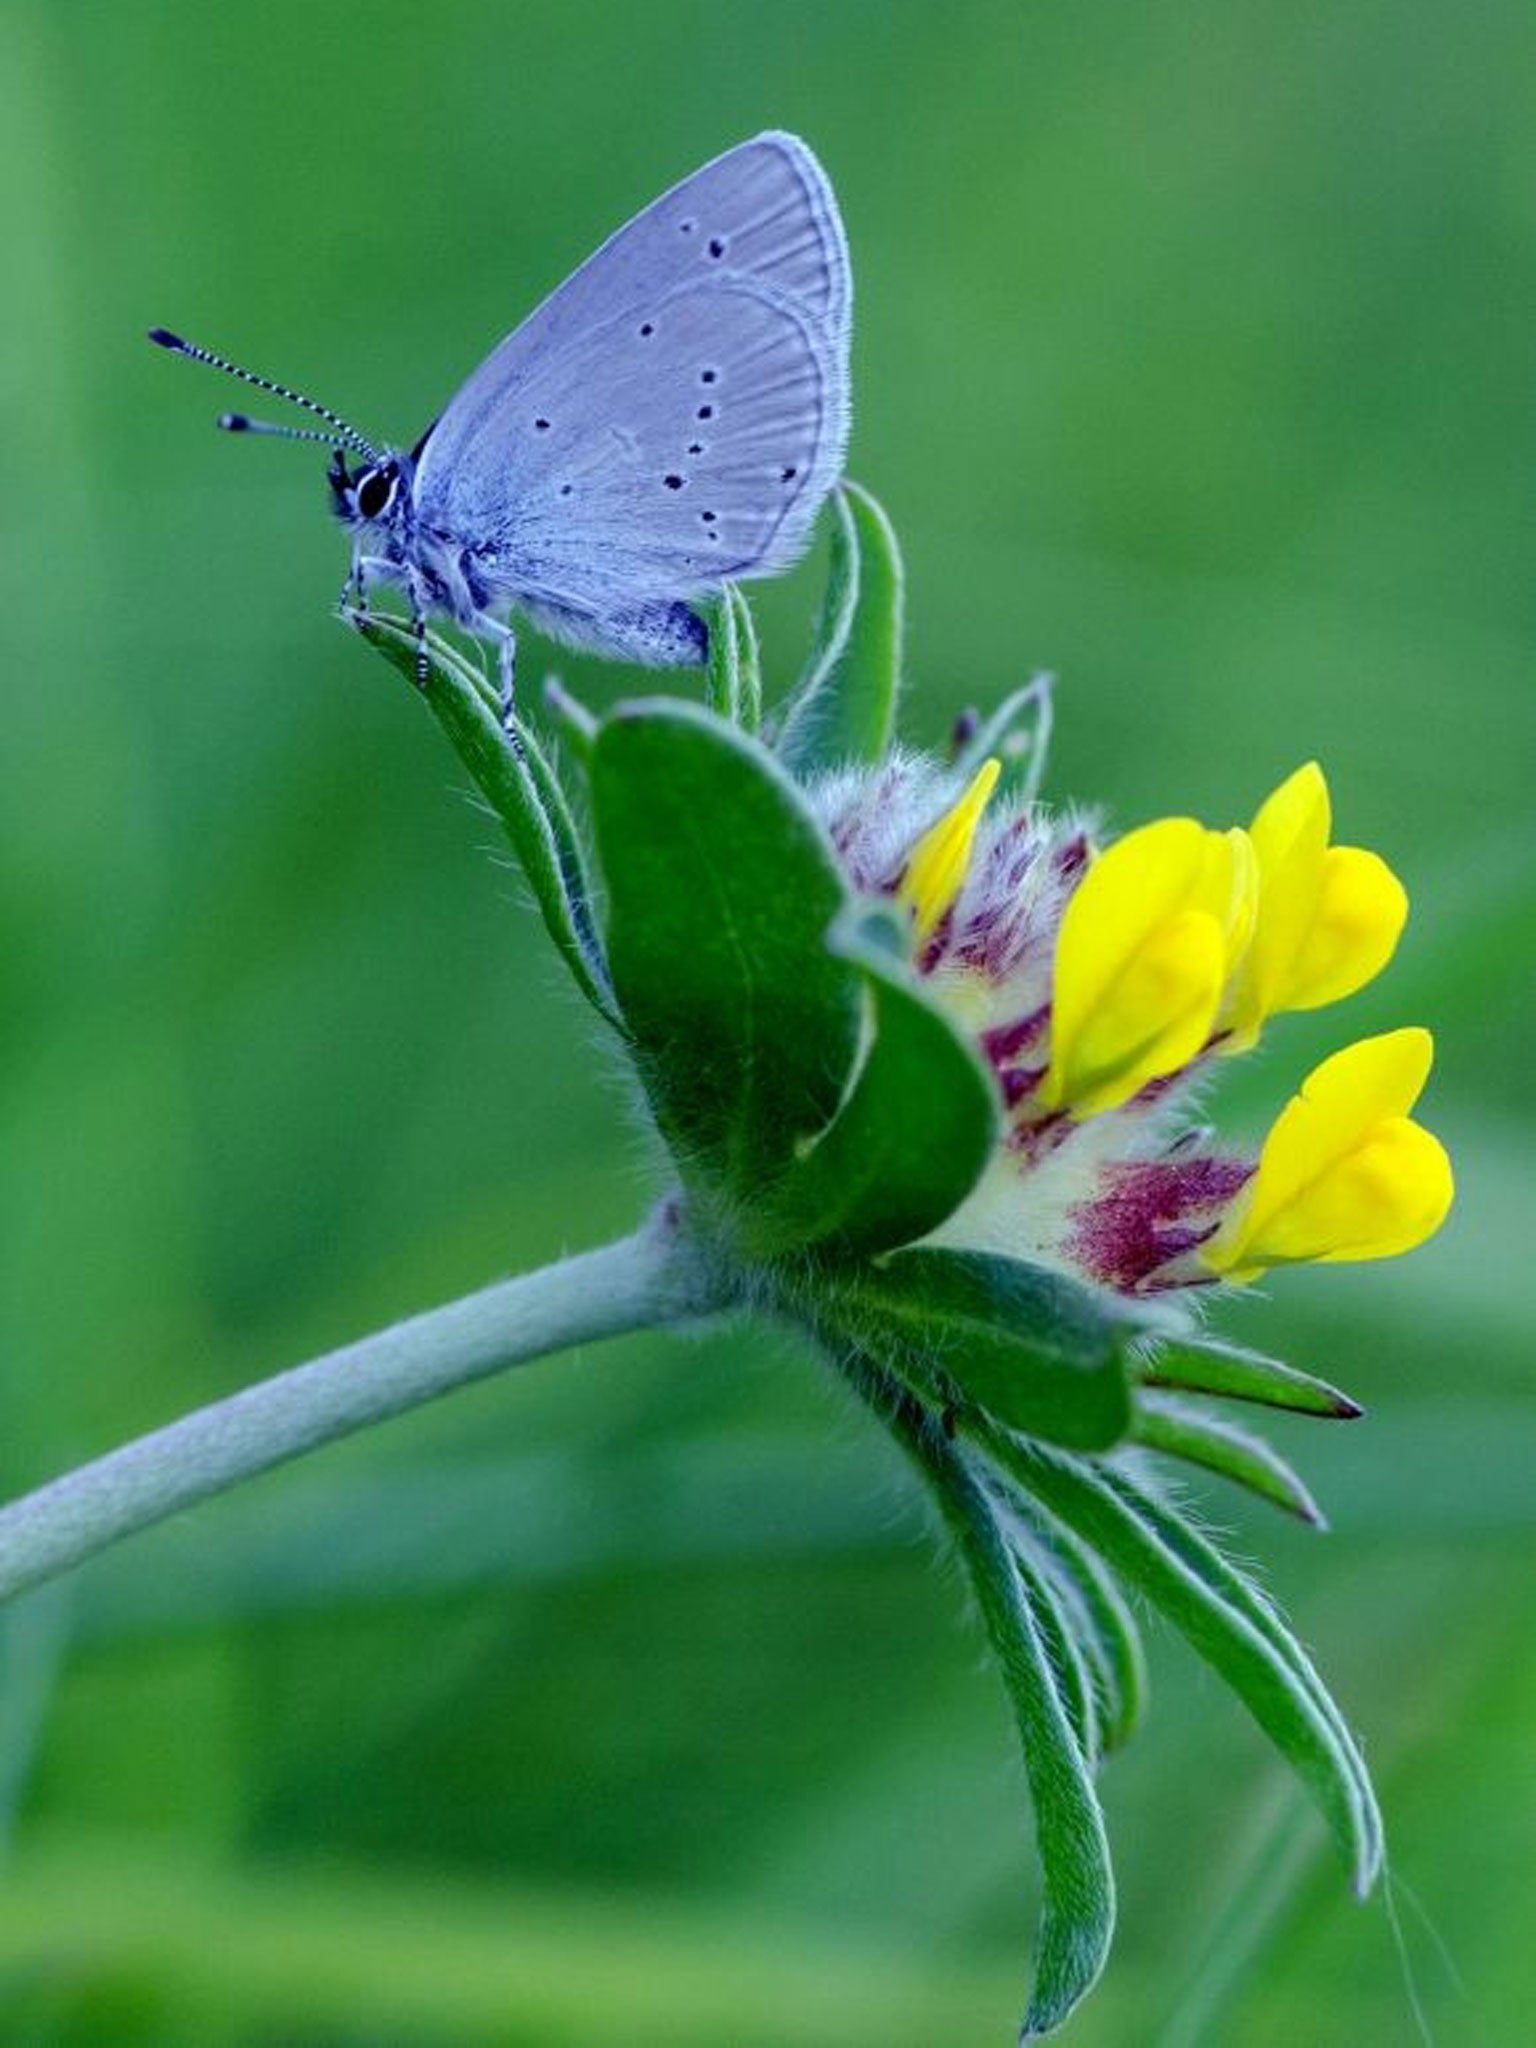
(375,491)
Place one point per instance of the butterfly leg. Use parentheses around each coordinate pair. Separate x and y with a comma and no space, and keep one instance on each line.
(506,667)
(365,571)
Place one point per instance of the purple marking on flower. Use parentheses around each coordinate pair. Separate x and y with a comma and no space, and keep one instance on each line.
(1018,1084)
(1072,857)
(1149,1213)
(1037,1138)
(938,939)
(1004,1042)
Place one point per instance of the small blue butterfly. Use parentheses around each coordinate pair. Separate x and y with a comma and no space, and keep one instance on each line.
(671,418)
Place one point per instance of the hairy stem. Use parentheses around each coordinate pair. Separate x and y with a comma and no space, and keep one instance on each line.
(655,1276)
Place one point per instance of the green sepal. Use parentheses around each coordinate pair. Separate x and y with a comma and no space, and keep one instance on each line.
(911,1138)
(1223,1617)
(843,708)
(970,1329)
(520,784)
(1077,1915)
(1180,1432)
(733,682)
(721,887)
(1207,1365)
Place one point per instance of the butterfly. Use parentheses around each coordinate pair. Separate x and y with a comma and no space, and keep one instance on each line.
(670,419)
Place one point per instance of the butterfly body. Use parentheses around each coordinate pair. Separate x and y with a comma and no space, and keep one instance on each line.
(669,420)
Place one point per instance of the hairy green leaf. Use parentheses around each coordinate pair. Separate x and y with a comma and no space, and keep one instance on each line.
(1102,1625)
(721,888)
(1223,1617)
(910,1140)
(1207,1365)
(1078,1909)
(1029,1347)
(1023,752)
(1179,1432)
(844,706)
(733,684)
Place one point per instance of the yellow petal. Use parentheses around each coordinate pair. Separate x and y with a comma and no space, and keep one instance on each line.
(1361,910)
(1289,835)
(1344,1173)
(1242,908)
(1328,917)
(937,867)
(1141,961)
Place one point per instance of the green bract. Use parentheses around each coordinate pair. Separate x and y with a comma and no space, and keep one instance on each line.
(825,1116)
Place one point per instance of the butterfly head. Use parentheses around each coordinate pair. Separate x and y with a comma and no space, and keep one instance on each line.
(371,494)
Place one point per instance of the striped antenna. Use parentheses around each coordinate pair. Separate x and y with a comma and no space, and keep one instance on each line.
(347,436)
(242,423)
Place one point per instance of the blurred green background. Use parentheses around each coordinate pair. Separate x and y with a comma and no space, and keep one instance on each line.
(624,1701)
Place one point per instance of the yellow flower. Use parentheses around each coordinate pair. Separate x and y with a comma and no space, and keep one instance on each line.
(937,866)
(1147,946)
(1345,1173)
(1328,919)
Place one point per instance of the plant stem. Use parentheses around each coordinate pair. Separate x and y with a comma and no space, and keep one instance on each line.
(658,1275)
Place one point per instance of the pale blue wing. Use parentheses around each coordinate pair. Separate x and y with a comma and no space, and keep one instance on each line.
(674,447)
(706,342)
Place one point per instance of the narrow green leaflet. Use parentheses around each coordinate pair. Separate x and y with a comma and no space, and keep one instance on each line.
(844,706)
(575,721)
(1078,1910)
(1065,1654)
(1102,1625)
(1024,752)
(1029,1347)
(1179,1432)
(1206,1365)
(909,1142)
(521,786)
(721,888)
(733,683)
(1222,1617)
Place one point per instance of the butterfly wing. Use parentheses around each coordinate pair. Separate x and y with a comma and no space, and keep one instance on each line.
(696,365)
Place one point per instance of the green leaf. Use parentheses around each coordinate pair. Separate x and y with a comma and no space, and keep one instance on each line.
(909,1142)
(521,786)
(575,720)
(1224,1618)
(1065,1656)
(1179,1432)
(1102,1624)
(1206,1365)
(1078,1909)
(733,684)
(844,706)
(721,888)
(1030,1347)
(733,681)
(1023,753)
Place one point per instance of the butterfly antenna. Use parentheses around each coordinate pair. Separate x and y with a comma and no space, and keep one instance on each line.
(242,423)
(237,423)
